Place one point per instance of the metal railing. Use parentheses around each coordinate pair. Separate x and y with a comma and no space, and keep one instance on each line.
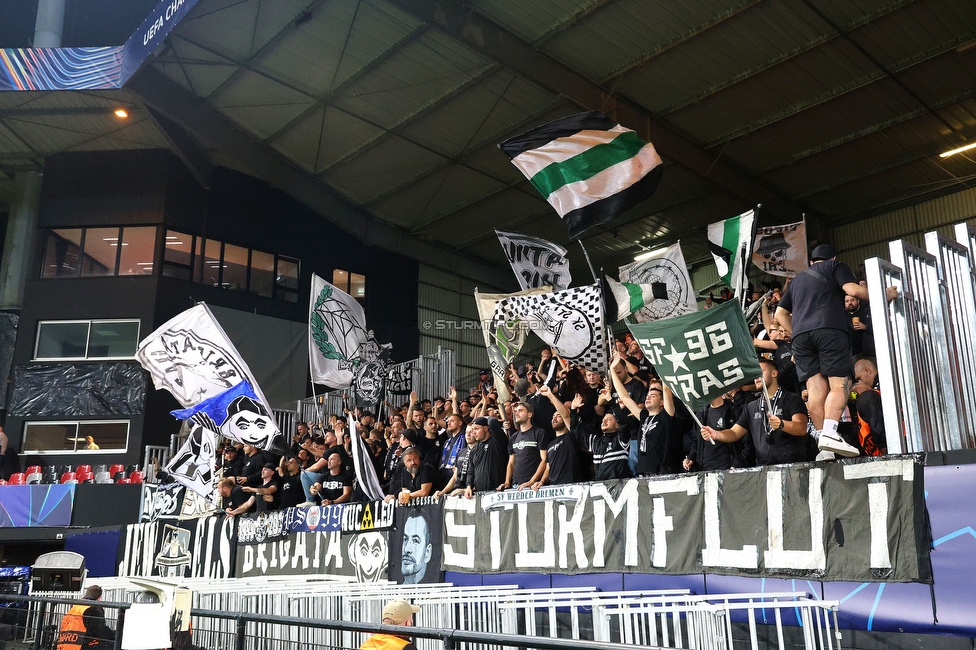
(926,342)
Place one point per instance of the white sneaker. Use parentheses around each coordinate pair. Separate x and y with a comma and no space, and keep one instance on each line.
(825,455)
(834,443)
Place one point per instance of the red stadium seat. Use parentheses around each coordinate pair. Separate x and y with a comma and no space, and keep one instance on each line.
(115,469)
(85,477)
(33,469)
(2,482)
(137,477)
(124,480)
(69,477)
(83,469)
(16,479)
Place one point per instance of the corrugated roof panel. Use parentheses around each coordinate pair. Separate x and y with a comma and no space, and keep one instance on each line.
(734,50)
(317,143)
(227,26)
(259,104)
(623,32)
(803,81)
(196,69)
(504,210)
(532,20)
(53,133)
(483,114)
(424,203)
(139,134)
(917,30)
(381,168)
(322,53)
(424,71)
(10,144)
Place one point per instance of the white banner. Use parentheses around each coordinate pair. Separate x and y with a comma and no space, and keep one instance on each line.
(781,250)
(336,334)
(667,271)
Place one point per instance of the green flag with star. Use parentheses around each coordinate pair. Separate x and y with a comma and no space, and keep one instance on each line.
(700,355)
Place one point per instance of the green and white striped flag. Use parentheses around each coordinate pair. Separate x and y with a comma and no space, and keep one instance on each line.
(730,243)
(587,166)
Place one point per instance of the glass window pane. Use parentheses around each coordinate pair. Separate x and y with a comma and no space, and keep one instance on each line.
(61,253)
(178,247)
(49,437)
(138,251)
(101,246)
(113,339)
(61,340)
(357,286)
(106,435)
(211,263)
(287,276)
(341,279)
(235,268)
(198,260)
(262,273)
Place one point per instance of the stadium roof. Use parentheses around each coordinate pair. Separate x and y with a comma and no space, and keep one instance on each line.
(384,115)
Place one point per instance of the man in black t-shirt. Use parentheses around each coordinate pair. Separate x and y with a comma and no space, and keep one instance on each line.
(267,496)
(254,460)
(721,413)
(812,311)
(335,485)
(415,479)
(657,438)
(526,450)
(562,459)
(289,473)
(772,435)
(233,499)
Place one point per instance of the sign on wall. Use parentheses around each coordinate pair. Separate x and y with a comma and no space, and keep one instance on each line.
(363,555)
(193,548)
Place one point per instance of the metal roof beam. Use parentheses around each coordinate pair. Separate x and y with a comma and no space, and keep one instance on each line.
(260,160)
(493,41)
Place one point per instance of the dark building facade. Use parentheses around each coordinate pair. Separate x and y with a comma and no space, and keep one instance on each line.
(127,240)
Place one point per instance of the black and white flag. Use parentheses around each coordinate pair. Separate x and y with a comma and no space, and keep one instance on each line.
(363,466)
(571,321)
(536,262)
(193,464)
(665,273)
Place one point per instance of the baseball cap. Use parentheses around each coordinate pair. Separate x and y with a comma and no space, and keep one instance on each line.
(822,252)
(483,372)
(270,466)
(398,611)
(481,422)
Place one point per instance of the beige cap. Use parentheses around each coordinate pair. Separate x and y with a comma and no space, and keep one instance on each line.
(398,611)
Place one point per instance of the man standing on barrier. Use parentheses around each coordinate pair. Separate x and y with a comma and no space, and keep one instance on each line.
(84,625)
(396,612)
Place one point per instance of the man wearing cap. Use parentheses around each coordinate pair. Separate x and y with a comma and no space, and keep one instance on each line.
(396,612)
(812,311)
(84,625)
(267,496)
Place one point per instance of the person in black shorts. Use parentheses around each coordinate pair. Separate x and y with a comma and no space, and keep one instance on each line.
(812,311)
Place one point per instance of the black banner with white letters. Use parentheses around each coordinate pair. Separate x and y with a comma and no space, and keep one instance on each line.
(854,520)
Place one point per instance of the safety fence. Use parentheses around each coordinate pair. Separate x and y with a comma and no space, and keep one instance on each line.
(926,341)
(305,612)
(429,375)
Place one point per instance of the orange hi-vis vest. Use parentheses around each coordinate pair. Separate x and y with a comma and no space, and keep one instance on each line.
(383,642)
(865,436)
(73,631)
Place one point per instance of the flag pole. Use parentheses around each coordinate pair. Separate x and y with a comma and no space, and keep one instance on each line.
(588,262)
(769,405)
(690,412)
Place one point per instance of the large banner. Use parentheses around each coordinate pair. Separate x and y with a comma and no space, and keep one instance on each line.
(194,548)
(853,521)
(415,544)
(363,555)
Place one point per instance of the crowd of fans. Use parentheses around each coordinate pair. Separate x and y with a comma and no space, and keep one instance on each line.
(565,424)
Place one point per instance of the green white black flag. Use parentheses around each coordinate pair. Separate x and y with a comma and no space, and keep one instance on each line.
(700,355)
(730,243)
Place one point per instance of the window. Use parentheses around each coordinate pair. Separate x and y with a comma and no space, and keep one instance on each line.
(86,252)
(86,436)
(96,339)
(231,267)
(352,283)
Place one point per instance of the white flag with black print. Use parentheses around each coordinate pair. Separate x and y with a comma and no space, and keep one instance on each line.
(362,465)
(781,250)
(536,262)
(193,464)
(571,321)
(665,273)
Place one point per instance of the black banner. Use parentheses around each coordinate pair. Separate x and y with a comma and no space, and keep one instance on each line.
(363,555)
(415,545)
(194,548)
(78,389)
(857,520)
(263,527)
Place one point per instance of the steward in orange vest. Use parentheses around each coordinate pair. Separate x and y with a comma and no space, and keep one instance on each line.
(84,625)
(396,612)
